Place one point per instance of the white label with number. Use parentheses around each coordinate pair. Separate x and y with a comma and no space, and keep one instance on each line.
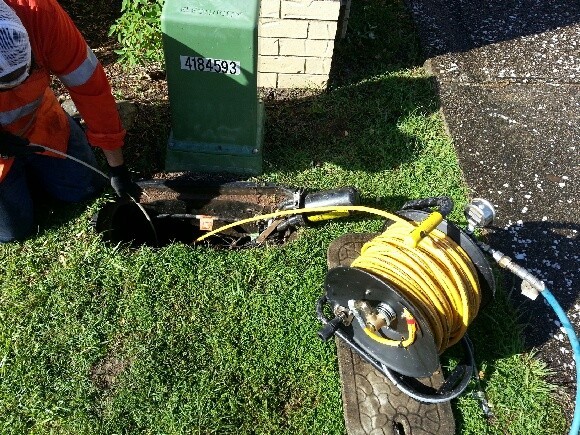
(207,64)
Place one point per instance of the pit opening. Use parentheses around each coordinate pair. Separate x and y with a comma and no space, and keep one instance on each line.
(169,212)
(176,210)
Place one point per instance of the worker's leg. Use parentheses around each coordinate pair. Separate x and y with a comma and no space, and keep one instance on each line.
(63,179)
(66,179)
(16,213)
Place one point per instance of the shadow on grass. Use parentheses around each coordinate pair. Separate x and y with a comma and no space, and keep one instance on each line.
(380,38)
(357,127)
(355,122)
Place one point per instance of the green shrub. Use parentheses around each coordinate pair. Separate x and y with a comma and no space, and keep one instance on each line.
(138,30)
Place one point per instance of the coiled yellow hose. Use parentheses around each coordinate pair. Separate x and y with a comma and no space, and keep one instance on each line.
(435,274)
(437,277)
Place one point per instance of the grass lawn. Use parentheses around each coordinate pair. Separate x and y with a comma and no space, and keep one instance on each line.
(107,340)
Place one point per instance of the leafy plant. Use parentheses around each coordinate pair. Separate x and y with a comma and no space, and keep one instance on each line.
(138,30)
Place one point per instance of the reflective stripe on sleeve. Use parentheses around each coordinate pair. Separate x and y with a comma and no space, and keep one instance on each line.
(83,73)
(14,115)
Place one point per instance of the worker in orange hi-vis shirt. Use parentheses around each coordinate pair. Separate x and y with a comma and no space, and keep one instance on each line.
(38,39)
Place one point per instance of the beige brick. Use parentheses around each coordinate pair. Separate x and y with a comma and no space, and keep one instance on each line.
(306,47)
(322,30)
(311,10)
(318,65)
(302,81)
(267,80)
(287,64)
(269,28)
(270,8)
(268,46)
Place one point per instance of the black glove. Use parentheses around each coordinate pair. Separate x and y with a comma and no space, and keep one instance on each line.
(16,146)
(122,183)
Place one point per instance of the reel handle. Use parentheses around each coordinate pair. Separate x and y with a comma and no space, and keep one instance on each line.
(328,330)
(423,229)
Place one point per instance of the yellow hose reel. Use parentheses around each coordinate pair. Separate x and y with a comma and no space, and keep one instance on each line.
(410,295)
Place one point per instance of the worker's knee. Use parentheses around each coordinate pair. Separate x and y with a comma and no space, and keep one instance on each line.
(16,209)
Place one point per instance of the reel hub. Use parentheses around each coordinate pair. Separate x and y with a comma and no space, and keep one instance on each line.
(349,287)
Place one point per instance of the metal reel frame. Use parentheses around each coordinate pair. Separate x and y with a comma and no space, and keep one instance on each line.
(452,387)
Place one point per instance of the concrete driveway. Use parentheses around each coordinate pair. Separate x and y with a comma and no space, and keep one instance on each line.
(508,74)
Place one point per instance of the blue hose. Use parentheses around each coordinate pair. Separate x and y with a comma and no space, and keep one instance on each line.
(575,427)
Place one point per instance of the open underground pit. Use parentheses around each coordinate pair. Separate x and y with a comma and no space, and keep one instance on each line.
(180,211)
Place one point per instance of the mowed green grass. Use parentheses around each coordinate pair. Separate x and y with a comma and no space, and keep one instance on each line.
(105,339)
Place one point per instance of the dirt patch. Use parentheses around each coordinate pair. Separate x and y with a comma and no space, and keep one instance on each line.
(152,195)
(265,202)
(105,372)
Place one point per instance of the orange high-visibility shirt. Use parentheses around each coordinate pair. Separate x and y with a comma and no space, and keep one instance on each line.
(32,110)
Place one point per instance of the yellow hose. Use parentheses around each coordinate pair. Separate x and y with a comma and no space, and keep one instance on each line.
(434,273)
(437,277)
(332,208)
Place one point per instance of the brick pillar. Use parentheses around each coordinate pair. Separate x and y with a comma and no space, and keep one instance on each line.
(296,41)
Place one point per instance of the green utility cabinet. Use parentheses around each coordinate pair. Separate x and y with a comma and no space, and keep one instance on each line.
(211,57)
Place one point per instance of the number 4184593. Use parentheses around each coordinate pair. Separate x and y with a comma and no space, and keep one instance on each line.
(202,64)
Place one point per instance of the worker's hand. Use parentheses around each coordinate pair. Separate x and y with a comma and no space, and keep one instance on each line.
(16,146)
(121,181)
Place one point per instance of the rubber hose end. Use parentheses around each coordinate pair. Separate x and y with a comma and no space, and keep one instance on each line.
(326,332)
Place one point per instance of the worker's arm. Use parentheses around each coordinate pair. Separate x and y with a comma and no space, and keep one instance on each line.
(114,157)
(65,53)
